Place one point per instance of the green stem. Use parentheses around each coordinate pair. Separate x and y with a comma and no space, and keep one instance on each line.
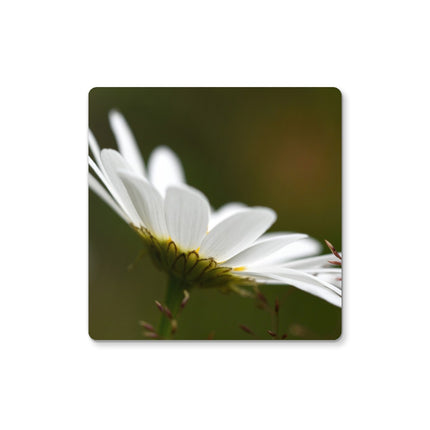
(174,296)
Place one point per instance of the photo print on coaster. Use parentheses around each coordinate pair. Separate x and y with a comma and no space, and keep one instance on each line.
(215,213)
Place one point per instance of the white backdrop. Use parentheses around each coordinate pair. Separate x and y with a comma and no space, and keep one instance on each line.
(53,376)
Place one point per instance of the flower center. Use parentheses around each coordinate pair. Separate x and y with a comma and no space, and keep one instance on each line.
(188,265)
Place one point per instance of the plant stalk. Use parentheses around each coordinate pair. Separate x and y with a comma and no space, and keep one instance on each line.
(174,296)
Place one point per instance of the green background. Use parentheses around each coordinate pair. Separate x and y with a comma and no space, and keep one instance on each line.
(275,147)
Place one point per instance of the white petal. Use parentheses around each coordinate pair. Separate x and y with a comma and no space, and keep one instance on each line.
(260,251)
(224,212)
(187,216)
(165,169)
(325,294)
(334,271)
(282,272)
(302,248)
(94,146)
(112,163)
(148,203)
(236,233)
(318,266)
(273,234)
(105,196)
(126,142)
(303,281)
(332,279)
(310,262)
(104,179)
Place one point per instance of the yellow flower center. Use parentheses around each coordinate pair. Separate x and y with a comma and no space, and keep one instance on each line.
(188,265)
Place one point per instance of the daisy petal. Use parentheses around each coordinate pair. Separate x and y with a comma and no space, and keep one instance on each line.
(282,272)
(332,279)
(311,284)
(148,203)
(335,271)
(126,142)
(103,178)
(112,163)
(236,233)
(165,169)
(187,216)
(310,262)
(302,248)
(94,146)
(224,212)
(263,249)
(105,196)
(273,234)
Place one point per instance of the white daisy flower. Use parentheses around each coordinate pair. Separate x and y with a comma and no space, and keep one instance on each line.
(193,244)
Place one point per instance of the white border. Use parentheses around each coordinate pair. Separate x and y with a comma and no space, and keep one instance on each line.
(54,376)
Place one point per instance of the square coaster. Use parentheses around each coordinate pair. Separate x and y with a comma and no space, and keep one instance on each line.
(215,213)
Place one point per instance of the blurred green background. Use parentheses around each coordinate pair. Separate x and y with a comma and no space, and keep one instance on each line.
(276,147)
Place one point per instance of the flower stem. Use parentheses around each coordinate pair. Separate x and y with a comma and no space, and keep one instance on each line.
(174,296)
